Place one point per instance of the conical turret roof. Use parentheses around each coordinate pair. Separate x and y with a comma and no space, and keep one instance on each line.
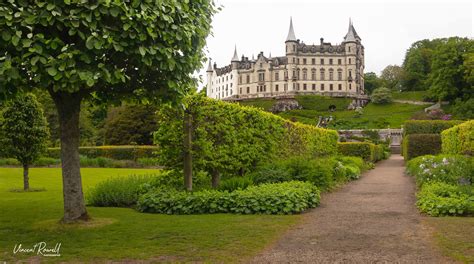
(291,33)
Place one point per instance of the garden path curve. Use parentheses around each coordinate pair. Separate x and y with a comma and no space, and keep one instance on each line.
(371,220)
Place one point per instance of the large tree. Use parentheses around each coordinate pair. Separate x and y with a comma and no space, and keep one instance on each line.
(24,132)
(105,49)
(371,82)
(391,76)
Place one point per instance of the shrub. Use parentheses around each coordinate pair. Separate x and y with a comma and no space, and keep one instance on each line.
(364,150)
(415,145)
(459,139)
(235,183)
(173,179)
(427,126)
(353,161)
(9,162)
(111,152)
(118,191)
(148,162)
(438,199)
(451,169)
(270,173)
(381,96)
(43,161)
(275,198)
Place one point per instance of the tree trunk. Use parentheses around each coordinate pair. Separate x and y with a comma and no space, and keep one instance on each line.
(69,107)
(216,179)
(188,157)
(26,183)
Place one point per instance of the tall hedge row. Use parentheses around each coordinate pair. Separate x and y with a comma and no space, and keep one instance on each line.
(111,152)
(365,150)
(459,139)
(415,145)
(230,138)
(428,126)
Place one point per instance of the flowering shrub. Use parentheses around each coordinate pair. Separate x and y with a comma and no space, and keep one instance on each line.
(452,169)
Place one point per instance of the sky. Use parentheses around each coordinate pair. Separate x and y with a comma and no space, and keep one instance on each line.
(387,28)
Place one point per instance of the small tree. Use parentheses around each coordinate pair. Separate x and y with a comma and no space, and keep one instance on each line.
(381,96)
(25,132)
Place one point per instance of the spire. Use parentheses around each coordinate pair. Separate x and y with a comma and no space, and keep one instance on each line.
(236,57)
(270,56)
(291,32)
(209,67)
(351,33)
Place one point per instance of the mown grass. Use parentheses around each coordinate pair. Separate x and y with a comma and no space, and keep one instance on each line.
(410,96)
(264,103)
(121,233)
(454,236)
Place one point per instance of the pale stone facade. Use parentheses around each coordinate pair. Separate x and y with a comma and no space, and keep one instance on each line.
(335,70)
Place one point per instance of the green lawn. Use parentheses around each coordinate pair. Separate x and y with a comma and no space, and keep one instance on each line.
(264,103)
(131,235)
(374,116)
(454,236)
(410,96)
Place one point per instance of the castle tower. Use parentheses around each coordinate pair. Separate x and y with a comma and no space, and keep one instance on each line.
(354,56)
(209,72)
(291,49)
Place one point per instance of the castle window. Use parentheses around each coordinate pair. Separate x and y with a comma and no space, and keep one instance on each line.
(286,75)
(294,48)
(350,61)
(261,77)
(313,61)
(298,74)
(331,74)
(304,86)
(294,74)
(248,89)
(339,75)
(240,79)
(261,65)
(339,86)
(305,74)
(277,77)
(248,78)
(350,86)
(304,61)
(264,88)
(285,86)
(330,61)
(230,92)
(313,74)
(322,61)
(231,85)
(350,73)
(298,61)
(276,88)
(339,61)
(231,76)
(227,78)
(349,49)
(330,87)
(314,87)
(240,90)
(322,73)
(294,60)
(322,87)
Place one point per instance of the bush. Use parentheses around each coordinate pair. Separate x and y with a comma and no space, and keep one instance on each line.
(270,173)
(276,198)
(111,152)
(415,145)
(427,126)
(235,183)
(9,162)
(148,162)
(118,191)
(381,96)
(451,169)
(438,199)
(459,139)
(43,161)
(173,179)
(363,150)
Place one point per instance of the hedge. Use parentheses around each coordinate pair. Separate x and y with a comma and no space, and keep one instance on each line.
(459,139)
(230,139)
(365,150)
(427,126)
(111,152)
(273,198)
(415,145)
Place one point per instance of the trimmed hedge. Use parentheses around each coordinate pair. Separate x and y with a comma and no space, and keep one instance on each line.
(459,139)
(415,145)
(111,152)
(275,198)
(427,126)
(230,139)
(365,150)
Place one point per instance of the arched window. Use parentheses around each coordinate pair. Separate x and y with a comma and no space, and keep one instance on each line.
(313,74)
(305,74)
(331,74)
(339,74)
(322,73)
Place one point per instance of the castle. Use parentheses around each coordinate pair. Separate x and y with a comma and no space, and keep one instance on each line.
(326,69)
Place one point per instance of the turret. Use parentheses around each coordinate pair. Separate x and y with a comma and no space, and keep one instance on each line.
(235,59)
(291,40)
(209,72)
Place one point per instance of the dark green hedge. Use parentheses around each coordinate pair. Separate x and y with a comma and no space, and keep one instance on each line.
(367,151)
(111,152)
(459,139)
(415,145)
(427,126)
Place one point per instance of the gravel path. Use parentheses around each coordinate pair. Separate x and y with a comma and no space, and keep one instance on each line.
(371,220)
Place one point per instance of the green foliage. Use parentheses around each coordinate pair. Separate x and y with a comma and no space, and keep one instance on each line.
(275,198)
(111,152)
(9,162)
(371,82)
(392,76)
(232,139)
(411,95)
(415,145)
(44,161)
(322,103)
(101,162)
(148,162)
(118,191)
(43,47)
(439,199)
(381,96)
(450,76)
(427,126)
(459,139)
(365,150)
(24,128)
(235,183)
(264,103)
(130,125)
(463,109)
